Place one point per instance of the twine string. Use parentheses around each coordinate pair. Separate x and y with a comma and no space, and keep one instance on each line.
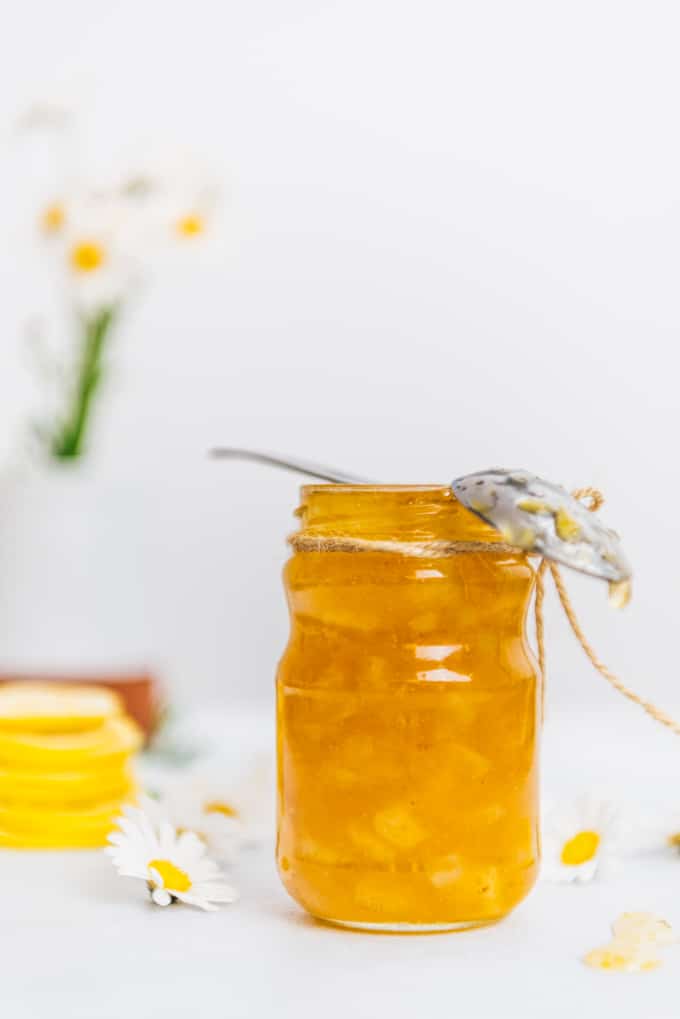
(656,713)
(540,627)
(593,499)
(596,500)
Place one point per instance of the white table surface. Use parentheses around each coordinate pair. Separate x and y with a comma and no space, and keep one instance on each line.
(77,941)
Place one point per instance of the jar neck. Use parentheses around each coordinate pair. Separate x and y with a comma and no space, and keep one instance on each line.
(389,513)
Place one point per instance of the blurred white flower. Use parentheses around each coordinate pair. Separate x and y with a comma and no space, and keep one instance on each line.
(178,209)
(215,821)
(229,811)
(657,831)
(580,840)
(98,250)
(671,835)
(176,194)
(190,205)
(106,229)
(52,218)
(174,865)
(106,241)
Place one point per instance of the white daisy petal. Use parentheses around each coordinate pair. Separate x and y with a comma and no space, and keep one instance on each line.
(127,826)
(190,845)
(205,868)
(191,899)
(216,892)
(166,838)
(146,828)
(136,872)
(116,838)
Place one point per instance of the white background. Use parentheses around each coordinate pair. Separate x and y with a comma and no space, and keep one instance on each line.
(448,239)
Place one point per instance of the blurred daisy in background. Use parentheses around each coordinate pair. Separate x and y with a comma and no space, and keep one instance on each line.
(581,840)
(671,834)
(657,831)
(99,259)
(229,808)
(105,234)
(177,193)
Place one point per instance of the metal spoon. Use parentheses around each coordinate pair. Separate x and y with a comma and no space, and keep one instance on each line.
(542,517)
(288,463)
(530,512)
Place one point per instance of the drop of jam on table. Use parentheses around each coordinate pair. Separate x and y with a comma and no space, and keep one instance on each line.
(634,947)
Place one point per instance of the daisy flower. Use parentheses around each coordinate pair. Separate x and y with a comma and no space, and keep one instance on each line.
(657,832)
(671,834)
(175,192)
(203,808)
(174,865)
(106,236)
(229,812)
(100,253)
(579,840)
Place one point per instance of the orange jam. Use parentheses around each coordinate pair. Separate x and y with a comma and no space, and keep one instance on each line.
(407,716)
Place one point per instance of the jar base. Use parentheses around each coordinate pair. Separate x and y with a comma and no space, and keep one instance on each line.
(408,928)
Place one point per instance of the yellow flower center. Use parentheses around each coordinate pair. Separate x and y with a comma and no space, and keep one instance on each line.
(174,879)
(219,807)
(86,256)
(190,225)
(52,218)
(674,840)
(580,849)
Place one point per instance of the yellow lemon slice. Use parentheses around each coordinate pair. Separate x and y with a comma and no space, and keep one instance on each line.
(54,707)
(104,747)
(64,788)
(91,840)
(57,829)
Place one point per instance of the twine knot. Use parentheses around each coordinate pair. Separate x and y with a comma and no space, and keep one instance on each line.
(593,494)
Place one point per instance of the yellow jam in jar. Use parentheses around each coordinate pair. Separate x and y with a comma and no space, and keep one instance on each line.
(407,714)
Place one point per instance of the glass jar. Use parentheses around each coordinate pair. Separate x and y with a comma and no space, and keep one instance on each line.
(407,714)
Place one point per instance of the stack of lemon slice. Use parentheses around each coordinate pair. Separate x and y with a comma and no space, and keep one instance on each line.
(65,768)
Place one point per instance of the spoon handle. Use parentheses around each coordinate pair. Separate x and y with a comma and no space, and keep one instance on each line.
(313,470)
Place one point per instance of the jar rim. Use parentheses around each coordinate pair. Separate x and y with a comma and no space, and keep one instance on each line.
(368,487)
(389,513)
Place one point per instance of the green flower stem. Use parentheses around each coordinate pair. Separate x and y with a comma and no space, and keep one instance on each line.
(68,441)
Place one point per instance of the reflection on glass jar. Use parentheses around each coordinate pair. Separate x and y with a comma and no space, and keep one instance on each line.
(407,715)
